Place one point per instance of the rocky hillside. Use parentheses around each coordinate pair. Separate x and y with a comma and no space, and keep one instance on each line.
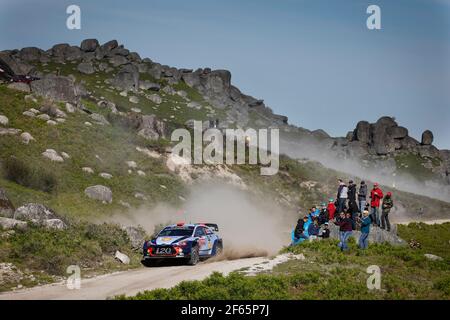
(91,136)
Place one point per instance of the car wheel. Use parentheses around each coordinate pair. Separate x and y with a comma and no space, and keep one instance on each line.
(148,262)
(194,257)
(219,249)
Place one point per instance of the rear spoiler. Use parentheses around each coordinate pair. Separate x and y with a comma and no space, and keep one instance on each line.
(213,226)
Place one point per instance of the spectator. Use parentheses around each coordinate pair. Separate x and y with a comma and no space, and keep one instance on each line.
(375,195)
(313,230)
(362,196)
(325,232)
(365,229)
(323,215)
(345,230)
(342,196)
(386,208)
(331,209)
(299,229)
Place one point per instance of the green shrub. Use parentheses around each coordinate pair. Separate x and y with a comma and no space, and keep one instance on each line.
(18,171)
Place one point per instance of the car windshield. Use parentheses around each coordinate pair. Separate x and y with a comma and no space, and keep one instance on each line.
(176,232)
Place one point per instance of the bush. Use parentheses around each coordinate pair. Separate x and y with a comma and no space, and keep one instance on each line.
(18,171)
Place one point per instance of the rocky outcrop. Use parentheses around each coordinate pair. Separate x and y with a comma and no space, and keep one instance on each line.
(136,236)
(376,235)
(427,137)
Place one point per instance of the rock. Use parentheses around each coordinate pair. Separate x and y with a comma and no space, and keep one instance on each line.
(34,212)
(8,224)
(147,85)
(16,65)
(397,132)
(57,224)
(52,123)
(110,45)
(105,175)
(182,94)
(321,134)
(433,257)
(87,123)
(141,173)
(429,151)
(155,98)
(33,110)
(87,170)
(131,164)
(99,119)
(4,120)
(427,137)
(124,204)
(70,108)
(151,128)
(52,155)
(175,162)
(89,45)
(118,60)
(99,192)
(9,273)
(194,105)
(19,86)
(409,143)
(26,137)
(9,131)
(127,78)
(169,90)
(60,120)
(137,110)
(122,257)
(57,88)
(140,196)
(123,93)
(65,155)
(86,68)
(133,99)
(73,53)
(136,236)
(376,235)
(30,54)
(44,117)
(29,114)
(6,207)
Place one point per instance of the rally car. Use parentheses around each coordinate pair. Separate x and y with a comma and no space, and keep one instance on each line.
(190,242)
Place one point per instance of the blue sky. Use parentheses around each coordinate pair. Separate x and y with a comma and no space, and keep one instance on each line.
(312,60)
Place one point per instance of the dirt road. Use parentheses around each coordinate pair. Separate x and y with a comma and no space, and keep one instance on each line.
(130,282)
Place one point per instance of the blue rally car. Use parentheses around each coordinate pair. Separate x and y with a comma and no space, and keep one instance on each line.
(191,242)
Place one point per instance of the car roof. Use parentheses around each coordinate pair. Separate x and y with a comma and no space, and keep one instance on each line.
(186,225)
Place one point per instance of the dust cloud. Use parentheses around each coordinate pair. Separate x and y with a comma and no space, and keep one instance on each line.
(249,225)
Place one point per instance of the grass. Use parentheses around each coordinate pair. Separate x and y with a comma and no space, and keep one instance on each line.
(327,273)
(45,254)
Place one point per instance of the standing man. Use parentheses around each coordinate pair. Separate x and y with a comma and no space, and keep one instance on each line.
(345,230)
(342,196)
(375,197)
(352,205)
(362,196)
(386,208)
(363,242)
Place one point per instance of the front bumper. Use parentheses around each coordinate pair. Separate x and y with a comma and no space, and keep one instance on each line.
(176,252)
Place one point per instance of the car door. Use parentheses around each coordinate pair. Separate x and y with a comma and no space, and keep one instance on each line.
(203,242)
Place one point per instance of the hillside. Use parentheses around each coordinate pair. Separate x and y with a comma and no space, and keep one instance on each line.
(90,142)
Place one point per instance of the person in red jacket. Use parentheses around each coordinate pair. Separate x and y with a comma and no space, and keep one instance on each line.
(375,195)
(331,209)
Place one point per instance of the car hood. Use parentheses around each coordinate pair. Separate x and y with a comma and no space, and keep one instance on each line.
(169,240)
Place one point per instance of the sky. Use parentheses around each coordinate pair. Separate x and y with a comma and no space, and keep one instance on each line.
(314,61)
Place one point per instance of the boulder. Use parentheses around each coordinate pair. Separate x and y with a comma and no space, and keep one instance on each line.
(433,257)
(362,132)
(52,111)
(127,78)
(16,65)
(34,212)
(376,235)
(133,99)
(72,53)
(59,50)
(86,68)
(30,54)
(151,128)
(57,224)
(99,119)
(122,257)
(8,224)
(105,175)
(6,207)
(428,151)
(99,192)
(52,155)
(136,236)
(9,131)
(427,137)
(117,60)
(19,86)
(44,117)
(26,137)
(89,45)
(147,85)
(397,132)
(4,120)
(155,98)
(110,45)
(58,88)
(87,170)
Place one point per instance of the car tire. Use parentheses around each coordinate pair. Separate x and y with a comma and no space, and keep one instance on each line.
(219,249)
(194,257)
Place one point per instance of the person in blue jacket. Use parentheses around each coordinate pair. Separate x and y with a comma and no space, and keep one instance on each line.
(365,229)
